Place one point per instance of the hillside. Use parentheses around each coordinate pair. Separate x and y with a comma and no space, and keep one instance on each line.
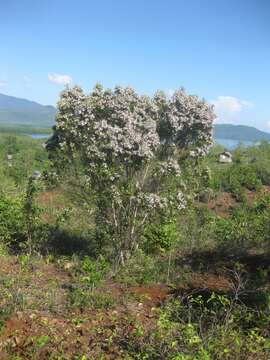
(239,132)
(24,112)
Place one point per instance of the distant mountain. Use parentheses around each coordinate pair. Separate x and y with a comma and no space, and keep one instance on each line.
(24,112)
(239,133)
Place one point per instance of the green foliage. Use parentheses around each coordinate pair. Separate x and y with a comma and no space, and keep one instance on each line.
(31,212)
(250,170)
(83,298)
(197,228)
(42,340)
(139,269)
(247,227)
(160,236)
(203,329)
(27,154)
(12,225)
(235,177)
(20,225)
(93,270)
(16,129)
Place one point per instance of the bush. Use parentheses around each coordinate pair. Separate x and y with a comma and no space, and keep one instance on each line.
(237,176)
(93,271)
(160,237)
(13,230)
(197,228)
(20,223)
(139,269)
(125,152)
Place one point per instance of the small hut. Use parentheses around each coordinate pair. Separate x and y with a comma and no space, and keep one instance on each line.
(9,157)
(225,158)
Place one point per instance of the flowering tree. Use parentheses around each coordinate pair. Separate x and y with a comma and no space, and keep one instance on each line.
(185,121)
(113,139)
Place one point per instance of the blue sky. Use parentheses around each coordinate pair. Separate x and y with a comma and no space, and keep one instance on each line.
(218,49)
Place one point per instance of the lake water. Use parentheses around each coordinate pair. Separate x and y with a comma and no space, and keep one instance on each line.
(232,144)
(39,136)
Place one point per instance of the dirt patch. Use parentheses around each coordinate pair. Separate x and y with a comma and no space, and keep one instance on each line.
(9,266)
(152,296)
(223,204)
(38,335)
(51,199)
(214,283)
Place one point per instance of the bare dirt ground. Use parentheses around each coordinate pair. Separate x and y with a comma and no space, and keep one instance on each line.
(38,320)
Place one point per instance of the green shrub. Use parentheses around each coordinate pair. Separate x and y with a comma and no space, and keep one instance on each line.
(197,228)
(236,176)
(159,237)
(93,270)
(12,220)
(247,227)
(139,269)
(20,223)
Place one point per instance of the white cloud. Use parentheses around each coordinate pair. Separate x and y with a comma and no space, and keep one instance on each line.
(3,83)
(227,107)
(268,124)
(231,104)
(60,79)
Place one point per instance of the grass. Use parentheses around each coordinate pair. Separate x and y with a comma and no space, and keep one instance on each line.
(23,129)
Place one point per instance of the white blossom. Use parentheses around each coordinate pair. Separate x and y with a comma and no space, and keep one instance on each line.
(116,136)
(185,120)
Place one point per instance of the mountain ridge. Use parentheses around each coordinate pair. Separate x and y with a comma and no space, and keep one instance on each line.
(239,133)
(14,110)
